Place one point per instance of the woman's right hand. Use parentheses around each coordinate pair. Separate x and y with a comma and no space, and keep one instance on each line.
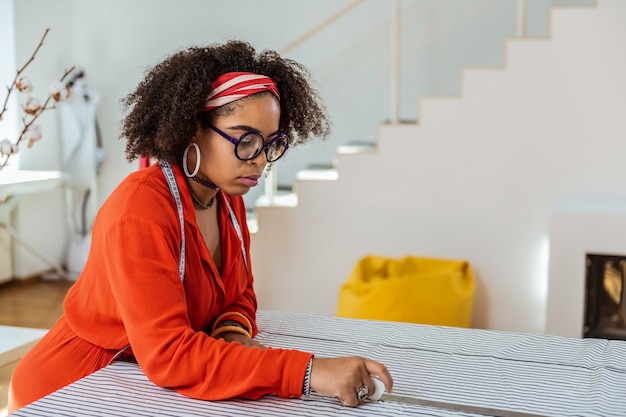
(343,377)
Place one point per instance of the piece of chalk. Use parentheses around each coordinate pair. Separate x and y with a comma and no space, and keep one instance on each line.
(379,389)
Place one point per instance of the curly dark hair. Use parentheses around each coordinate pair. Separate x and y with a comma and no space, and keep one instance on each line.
(163,112)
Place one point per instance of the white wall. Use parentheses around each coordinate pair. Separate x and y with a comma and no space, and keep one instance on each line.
(476,179)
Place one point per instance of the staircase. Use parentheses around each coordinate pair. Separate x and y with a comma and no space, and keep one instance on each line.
(394,53)
(475,179)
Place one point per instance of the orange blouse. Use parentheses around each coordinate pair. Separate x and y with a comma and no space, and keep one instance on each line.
(130,292)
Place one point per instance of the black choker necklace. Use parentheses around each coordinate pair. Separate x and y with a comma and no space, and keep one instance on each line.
(204,182)
(200,204)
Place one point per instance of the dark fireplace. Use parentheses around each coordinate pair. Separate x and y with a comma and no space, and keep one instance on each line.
(605,298)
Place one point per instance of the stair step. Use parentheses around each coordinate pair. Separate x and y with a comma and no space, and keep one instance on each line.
(284,188)
(280,200)
(356,147)
(317,174)
(319,166)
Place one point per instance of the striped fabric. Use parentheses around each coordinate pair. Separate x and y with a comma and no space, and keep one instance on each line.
(540,374)
(235,85)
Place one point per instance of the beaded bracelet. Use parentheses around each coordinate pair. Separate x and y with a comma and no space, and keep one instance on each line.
(224,329)
(306,386)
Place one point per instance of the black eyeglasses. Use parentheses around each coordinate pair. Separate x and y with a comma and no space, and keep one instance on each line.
(250,144)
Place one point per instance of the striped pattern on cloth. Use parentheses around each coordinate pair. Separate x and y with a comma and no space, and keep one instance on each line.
(235,85)
(540,374)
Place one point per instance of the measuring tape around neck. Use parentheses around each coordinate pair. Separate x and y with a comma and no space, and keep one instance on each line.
(171,182)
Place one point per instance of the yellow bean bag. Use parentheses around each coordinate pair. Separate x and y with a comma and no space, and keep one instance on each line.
(410,289)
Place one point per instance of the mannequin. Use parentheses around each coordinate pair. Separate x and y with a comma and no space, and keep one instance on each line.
(81,158)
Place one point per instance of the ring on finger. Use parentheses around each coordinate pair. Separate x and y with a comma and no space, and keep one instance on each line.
(363,392)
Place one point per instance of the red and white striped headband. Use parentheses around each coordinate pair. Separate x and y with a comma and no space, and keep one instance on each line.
(235,85)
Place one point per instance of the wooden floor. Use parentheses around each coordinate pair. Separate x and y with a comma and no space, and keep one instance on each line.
(32,303)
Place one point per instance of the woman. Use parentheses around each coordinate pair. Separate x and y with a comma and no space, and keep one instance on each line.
(168,281)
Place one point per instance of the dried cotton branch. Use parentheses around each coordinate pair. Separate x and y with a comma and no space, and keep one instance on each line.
(32,108)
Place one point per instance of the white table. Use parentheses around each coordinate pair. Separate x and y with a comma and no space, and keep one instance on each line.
(539,374)
(15,183)
(16,341)
(23,182)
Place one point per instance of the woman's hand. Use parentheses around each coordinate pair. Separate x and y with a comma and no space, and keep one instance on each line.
(343,377)
(241,339)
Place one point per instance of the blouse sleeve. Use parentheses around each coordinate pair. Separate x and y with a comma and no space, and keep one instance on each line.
(150,300)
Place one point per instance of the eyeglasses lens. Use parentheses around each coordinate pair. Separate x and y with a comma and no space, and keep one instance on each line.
(276,149)
(249,145)
(252,143)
